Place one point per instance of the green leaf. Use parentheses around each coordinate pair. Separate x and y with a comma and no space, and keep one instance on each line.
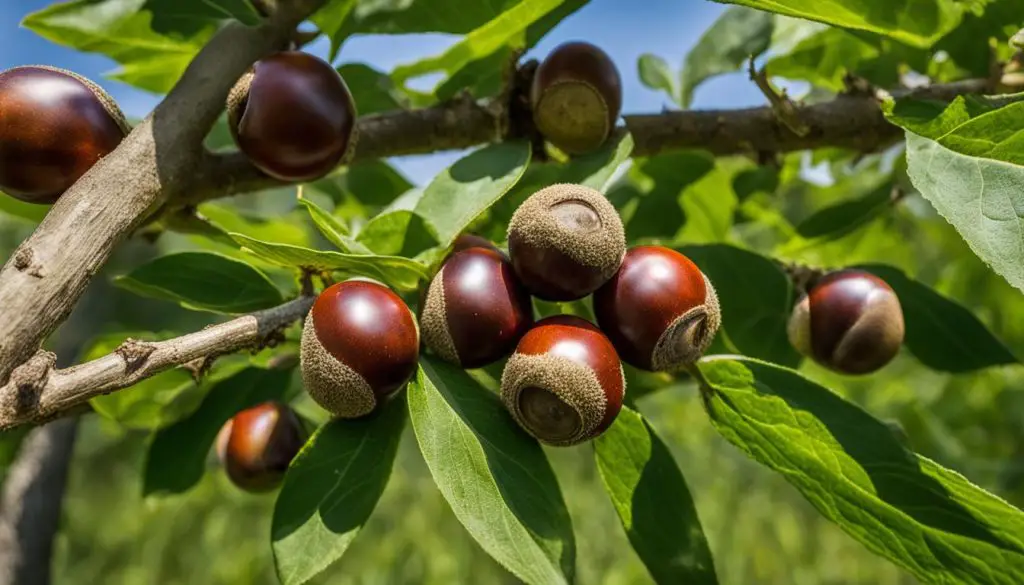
(755,323)
(823,59)
(913,22)
(30,212)
(656,74)
(372,90)
(276,229)
(399,233)
(844,217)
(154,51)
(659,213)
(966,159)
(927,519)
(331,489)
(177,455)
(203,281)
(709,205)
(737,35)
(507,28)
(332,228)
(653,502)
(470,186)
(401,273)
(494,476)
(941,333)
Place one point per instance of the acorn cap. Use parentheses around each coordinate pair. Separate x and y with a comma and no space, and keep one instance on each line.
(557,393)
(687,338)
(433,321)
(330,383)
(565,241)
(576,97)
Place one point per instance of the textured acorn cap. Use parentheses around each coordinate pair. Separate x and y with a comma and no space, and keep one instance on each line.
(434,323)
(687,338)
(574,220)
(104,98)
(329,382)
(572,383)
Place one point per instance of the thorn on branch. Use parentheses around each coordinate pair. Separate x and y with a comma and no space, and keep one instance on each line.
(786,111)
(134,353)
(199,367)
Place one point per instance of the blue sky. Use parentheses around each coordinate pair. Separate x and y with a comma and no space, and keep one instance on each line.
(625,30)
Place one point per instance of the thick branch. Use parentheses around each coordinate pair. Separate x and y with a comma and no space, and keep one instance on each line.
(36,392)
(43,279)
(848,121)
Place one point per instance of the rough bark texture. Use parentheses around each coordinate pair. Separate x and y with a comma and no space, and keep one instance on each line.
(37,392)
(43,279)
(31,503)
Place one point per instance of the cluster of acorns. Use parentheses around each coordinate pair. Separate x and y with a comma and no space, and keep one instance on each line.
(294,117)
(564,382)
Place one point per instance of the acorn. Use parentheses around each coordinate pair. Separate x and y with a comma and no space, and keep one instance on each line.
(257,445)
(475,310)
(576,97)
(293,116)
(360,346)
(659,310)
(564,383)
(54,126)
(565,241)
(851,321)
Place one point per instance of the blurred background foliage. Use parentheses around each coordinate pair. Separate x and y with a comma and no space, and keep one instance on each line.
(760,529)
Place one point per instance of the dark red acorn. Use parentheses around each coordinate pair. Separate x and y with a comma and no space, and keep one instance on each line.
(851,321)
(475,309)
(565,241)
(360,346)
(54,126)
(660,311)
(293,116)
(564,384)
(257,445)
(576,97)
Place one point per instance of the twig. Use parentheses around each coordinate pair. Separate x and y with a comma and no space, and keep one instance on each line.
(37,392)
(785,110)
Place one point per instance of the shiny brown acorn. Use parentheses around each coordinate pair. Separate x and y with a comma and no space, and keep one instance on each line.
(257,445)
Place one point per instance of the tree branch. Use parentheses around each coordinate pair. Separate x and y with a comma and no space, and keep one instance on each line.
(848,121)
(37,392)
(43,279)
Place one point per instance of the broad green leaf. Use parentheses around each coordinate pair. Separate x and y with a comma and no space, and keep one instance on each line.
(655,73)
(755,323)
(332,228)
(481,42)
(470,186)
(398,233)
(331,18)
(941,333)
(914,22)
(737,35)
(186,16)
(709,205)
(152,49)
(372,90)
(846,216)
(999,21)
(203,281)
(360,189)
(493,475)
(824,58)
(659,213)
(927,519)
(276,229)
(177,455)
(30,212)
(331,489)
(401,273)
(653,502)
(966,159)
